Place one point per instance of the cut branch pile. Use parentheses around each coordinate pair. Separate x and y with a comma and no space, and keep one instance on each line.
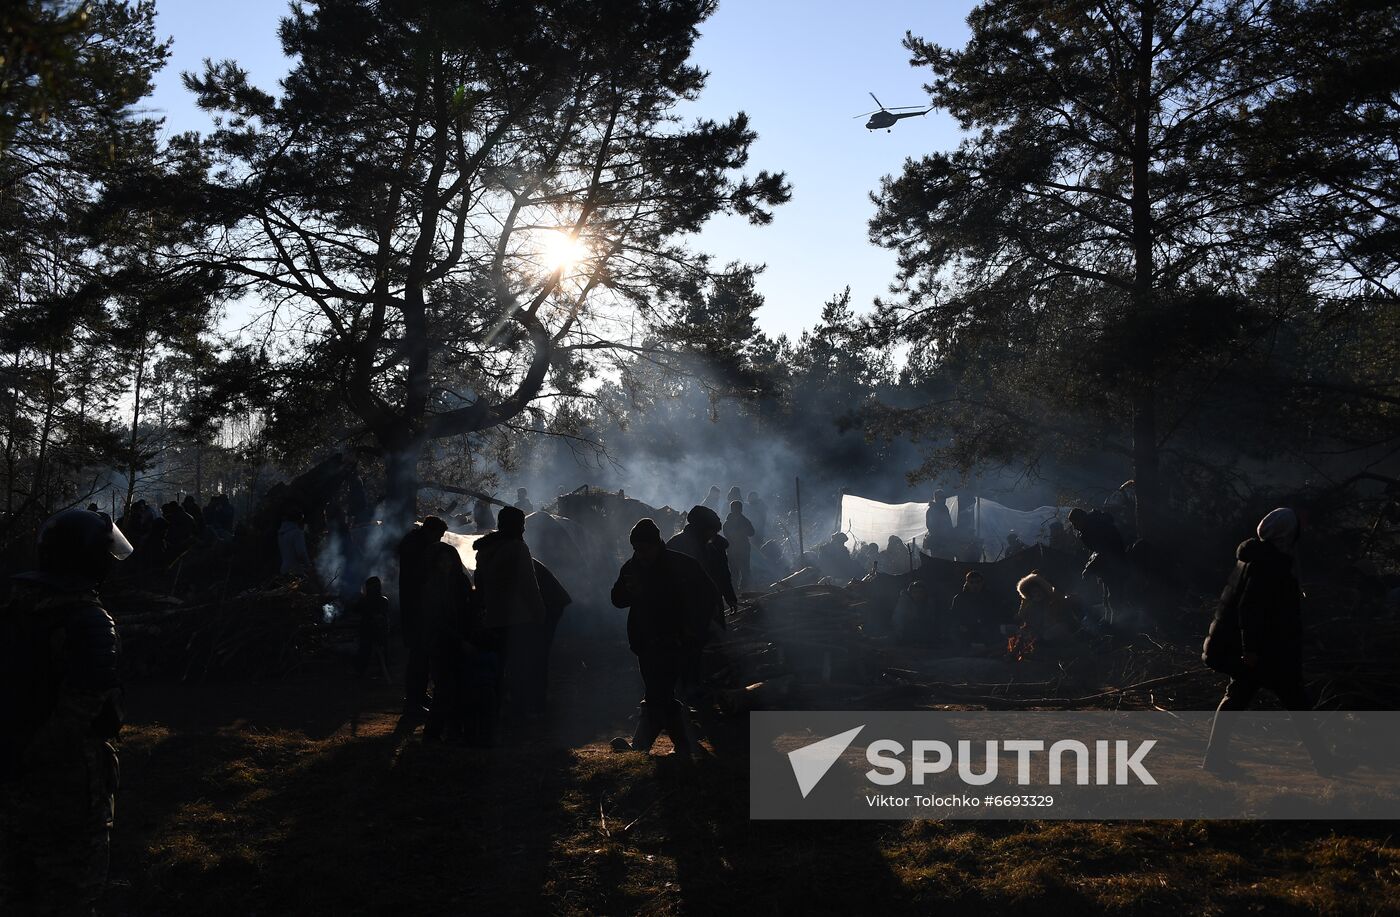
(255,634)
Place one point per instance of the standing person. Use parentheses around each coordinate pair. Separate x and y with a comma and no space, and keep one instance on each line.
(372,614)
(1256,638)
(938,523)
(416,553)
(291,544)
(713,499)
(522,501)
(701,541)
(975,619)
(513,610)
(191,508)
(482,516)
(664,591)
(447,610)
(59,674)
(739,532)
(757,511)
(1108,556)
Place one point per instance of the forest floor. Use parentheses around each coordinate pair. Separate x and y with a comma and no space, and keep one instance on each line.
(303,795)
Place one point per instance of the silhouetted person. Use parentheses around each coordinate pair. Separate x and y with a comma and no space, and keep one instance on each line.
(416,553)
(1122,506)
(513,611)
(975,617)
(664,591)
(181,533)
(739,532)
(291,545)
(896,557)
(1256,637)
(371,612)
(701,541)
(914,619)
(151,552)
(1061,540)
(1108,561)
(448,611)
(714,500)
(522,501)
(59,663)
(482,516)
(191,508)
(757,511)
(835,559)
(938,523)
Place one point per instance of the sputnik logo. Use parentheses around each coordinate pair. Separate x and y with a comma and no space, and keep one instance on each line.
(811,762)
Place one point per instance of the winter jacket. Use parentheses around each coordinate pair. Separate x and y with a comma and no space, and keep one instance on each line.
(505,577)
(1260,612)
(713,555)
(60,676)
(669,602)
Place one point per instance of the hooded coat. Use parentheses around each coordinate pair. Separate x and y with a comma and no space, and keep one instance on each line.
(713,555)
(1260,612)
(505,579)
(667,602)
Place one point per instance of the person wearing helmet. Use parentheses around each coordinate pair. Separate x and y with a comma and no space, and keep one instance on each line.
(58,769)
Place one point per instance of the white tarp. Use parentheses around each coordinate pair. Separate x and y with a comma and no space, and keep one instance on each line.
(993,522)
(463,545)
(872,521)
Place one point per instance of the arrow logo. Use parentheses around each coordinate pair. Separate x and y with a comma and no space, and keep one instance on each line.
(811,762)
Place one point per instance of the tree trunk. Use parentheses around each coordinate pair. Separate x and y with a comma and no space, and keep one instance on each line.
(1144,397)
(401,481)
(135,441)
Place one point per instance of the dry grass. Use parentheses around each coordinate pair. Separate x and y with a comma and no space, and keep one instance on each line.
(301,798)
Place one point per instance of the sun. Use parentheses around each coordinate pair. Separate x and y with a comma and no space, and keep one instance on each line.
(562,250)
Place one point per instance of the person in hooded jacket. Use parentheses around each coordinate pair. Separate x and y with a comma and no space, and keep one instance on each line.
(665,592)
(1256,638)
(512,606)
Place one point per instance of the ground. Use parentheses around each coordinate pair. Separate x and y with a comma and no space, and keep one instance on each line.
(302,796)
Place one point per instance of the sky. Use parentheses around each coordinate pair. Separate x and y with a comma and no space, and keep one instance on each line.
(800,70)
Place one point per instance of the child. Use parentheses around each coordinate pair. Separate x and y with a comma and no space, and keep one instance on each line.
(372,609)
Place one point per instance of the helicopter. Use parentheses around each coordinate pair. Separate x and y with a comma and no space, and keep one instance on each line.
(885,117)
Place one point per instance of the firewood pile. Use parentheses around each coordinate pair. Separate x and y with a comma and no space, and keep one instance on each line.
(804,640)
(255,634)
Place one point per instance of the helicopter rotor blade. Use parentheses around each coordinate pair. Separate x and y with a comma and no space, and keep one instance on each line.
(878,102)
(868,114)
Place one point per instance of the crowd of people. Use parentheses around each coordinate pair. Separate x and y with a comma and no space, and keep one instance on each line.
(481,642)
